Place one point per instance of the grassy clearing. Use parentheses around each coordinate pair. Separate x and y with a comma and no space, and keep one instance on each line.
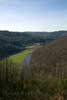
(19,58)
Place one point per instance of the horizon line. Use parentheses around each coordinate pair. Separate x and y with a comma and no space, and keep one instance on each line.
(32,31)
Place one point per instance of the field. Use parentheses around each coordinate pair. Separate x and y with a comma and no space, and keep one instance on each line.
(19,58)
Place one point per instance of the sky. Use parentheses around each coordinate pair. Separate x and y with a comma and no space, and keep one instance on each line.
(33,15)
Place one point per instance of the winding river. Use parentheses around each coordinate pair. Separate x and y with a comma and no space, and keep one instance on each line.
(27,60)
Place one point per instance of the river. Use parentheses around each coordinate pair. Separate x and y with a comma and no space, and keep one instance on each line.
(27,60)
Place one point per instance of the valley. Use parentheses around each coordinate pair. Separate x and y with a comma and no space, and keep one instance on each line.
(33,65)
(15,42)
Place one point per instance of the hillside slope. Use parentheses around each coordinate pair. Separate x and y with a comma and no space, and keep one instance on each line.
(47,72)
(52,58)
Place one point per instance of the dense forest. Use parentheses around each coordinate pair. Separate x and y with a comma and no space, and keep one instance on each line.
(13,42)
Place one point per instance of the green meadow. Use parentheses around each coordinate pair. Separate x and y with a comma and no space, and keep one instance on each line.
(19,58)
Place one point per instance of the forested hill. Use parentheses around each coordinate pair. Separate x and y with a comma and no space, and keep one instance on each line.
(50,60)
(52,55)
(13,42)
(54,35)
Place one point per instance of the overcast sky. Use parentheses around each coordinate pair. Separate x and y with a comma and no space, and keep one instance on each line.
(33,15)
